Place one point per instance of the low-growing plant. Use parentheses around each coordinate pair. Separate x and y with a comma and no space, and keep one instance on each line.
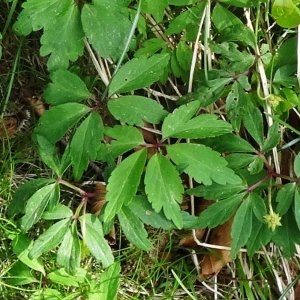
(220,141)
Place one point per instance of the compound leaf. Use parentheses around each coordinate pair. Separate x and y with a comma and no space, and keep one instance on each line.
(202,163)
(164,188)
(135,110)
(241,226)
(84,143)
(133,229)
(50,238)
(138,73)
(93,237)
(37,204)
(115,26)
(123,183)
(65,87)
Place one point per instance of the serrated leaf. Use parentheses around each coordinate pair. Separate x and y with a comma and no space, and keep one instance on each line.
(216,191)
(157,9)
(258,206)
(141,207)
(108,286)
(253,122)
(21,245)
(138,73)
(164,188)
(23,193)
(93,237)
(48,154)
(297,165)
(83,147)
(68,115)
(179,117)
(241,226)
(115,26)
(273,137)
(69,252)
(60,211)
(123,183)
(50,238)
(65,87)
(229,143)
(239,160)
(135,110)
(297,207)
(219,212)
(202,163)
(133,229)
(256,165)
(36,205)
(61,277)
(124,137)
(285,197)
(180,125)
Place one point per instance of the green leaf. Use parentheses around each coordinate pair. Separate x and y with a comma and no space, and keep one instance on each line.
(202,163)
(256,166)
(85,141)
(180,125)
(273,137)
(138,73)
(164,188)
(286,13)
(219,212)
(133,229)
(241,226)
(216,191)
(66,87)
(297,165)
(141,207)
(297,207)
(124,137)
(24,192)
(179,117)
(68,115)
(61,277)
(50,238)
(21,245)
(253,122)
(48,154)
(37,203)
(136,110)
(108,287)
(115,26)
(285,197)
(123,183)
(19,274)
(93,237)
(229,143)
(69,252)
(258,206)
(240,160)
(155,8)
(60,211)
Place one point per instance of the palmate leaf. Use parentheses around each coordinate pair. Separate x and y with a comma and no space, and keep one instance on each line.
(50,238)
(241,226)
(123,183)
(69,252)
(138,73)
(55,122)
(37,204)
(202,163)
(65,87)
(124,138)
(135,110)
(93,237)
(56,16)
(115,26)
(84,143)
(133,229)
(164,188)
